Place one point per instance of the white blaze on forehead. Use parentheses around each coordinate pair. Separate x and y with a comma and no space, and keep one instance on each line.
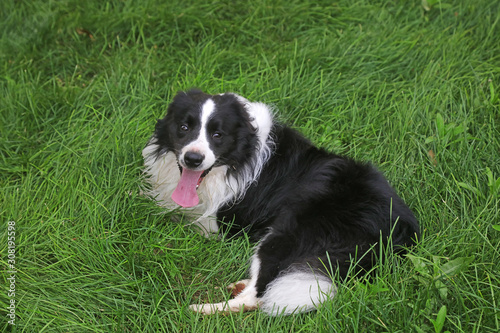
(206,111)
(200,144)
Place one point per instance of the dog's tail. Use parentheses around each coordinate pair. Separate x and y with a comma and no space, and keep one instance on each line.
(296,291)
(309,281)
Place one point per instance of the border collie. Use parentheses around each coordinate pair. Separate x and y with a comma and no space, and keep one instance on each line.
(313,214)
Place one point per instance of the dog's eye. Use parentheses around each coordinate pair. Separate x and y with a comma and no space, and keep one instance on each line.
(217,135)
(184,127)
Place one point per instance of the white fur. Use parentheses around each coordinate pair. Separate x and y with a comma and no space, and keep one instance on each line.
(217,188)
(164,175)
(201,145)
(296,291)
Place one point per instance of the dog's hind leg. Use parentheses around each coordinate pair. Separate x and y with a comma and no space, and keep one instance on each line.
(245,301)
(237,287)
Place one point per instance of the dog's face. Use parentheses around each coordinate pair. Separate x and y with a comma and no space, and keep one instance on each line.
(204,132)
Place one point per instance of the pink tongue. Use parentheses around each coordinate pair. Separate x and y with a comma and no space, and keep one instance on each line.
(185,193)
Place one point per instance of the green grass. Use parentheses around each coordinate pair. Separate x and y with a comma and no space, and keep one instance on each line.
(82,82)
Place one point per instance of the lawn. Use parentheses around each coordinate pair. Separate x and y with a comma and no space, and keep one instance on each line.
(415,89)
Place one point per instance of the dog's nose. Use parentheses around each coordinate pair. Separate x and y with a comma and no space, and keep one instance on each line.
(193,159)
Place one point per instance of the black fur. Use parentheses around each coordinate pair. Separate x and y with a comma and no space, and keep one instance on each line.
(316,203)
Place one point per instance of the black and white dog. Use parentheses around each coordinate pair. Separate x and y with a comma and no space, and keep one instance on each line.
(227,162)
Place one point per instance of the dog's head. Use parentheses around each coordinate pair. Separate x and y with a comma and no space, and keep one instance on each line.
(205,132)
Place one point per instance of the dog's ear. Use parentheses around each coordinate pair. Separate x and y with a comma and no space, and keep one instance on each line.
(186,99)
(195,95)
(182,97)
(249,120)
(238,107)
(182,101)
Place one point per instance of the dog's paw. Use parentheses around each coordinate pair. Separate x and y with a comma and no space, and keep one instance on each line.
(237,287)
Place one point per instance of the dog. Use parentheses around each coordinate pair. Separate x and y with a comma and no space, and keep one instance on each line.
(313,214)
